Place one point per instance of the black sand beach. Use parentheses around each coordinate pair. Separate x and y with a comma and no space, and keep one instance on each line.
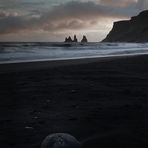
(102,102)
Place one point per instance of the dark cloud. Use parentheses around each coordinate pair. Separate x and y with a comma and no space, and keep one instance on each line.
(122,3)
(70,15)
(133,5)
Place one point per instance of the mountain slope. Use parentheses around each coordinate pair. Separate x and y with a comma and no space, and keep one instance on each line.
(133,30)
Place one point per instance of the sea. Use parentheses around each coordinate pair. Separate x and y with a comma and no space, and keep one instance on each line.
(16,52)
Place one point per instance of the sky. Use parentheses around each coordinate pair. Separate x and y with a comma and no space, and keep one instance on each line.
(53,20)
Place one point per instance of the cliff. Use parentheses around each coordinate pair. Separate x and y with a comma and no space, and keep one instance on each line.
(133,30)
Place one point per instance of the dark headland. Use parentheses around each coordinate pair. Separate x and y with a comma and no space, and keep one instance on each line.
(133,30)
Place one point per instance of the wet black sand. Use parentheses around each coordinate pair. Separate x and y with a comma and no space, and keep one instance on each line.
(106,100)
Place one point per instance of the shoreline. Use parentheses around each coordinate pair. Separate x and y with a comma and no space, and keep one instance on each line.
(7,67)
(100,102)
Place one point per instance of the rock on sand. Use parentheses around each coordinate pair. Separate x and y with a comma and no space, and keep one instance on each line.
(60,140)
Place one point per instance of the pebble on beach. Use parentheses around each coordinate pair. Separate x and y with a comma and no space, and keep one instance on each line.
(60,140)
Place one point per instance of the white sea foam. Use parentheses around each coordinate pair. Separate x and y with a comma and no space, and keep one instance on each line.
(23,52)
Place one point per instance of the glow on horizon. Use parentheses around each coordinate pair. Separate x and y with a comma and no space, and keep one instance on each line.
(53,20)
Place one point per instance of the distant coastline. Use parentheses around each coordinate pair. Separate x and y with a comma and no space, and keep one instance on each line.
(44,64)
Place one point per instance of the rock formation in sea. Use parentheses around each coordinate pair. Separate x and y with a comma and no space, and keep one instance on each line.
(133,30)
(75,39)
(66,39)
(69,39)
(84,39)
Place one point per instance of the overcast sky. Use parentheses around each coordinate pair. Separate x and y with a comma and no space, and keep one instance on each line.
(52,20)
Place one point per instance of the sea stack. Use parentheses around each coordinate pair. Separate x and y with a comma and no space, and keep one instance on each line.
(75,39)
(133,30)
(84,39)
(68,39)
